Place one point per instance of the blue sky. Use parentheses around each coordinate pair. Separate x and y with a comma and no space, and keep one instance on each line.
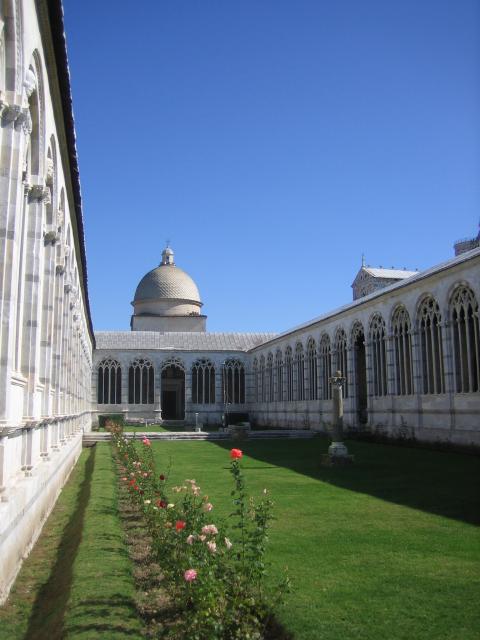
(273,142)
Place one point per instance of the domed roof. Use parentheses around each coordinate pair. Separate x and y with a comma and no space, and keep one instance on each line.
(167,281)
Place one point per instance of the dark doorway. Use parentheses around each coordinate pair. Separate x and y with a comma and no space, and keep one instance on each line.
(173,393)
(361,378)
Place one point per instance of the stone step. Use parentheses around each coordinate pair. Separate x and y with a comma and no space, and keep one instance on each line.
(91,438)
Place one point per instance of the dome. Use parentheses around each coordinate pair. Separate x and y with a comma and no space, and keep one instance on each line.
(167,281)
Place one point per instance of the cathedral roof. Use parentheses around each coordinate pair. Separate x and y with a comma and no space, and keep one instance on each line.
(180,341)
(167,281)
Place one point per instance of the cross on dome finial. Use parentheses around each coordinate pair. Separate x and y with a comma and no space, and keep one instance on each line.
(167,255)
(363,259)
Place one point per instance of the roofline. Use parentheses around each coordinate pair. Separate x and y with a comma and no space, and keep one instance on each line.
(57,29)
(407,282)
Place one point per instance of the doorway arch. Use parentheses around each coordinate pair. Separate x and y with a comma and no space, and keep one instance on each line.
(173,391)
(360,365)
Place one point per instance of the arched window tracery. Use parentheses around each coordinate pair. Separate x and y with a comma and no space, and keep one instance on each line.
(261,380)
(141,382)
(109,382)
(402,351)
(341,357)
(289,373)
(269,380)
(233,381)
(466,340)
(255,380)
(278,376)
(379,355)
(312,370)
(300,371)
(325,367)
(431,349)
(203,382)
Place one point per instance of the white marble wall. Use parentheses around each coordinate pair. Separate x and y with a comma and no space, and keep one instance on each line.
(449,416)
(45,342)
(208,413)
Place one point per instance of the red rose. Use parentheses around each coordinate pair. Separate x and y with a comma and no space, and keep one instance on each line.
(236,454)
(162,504)
(179,525)
(162,477)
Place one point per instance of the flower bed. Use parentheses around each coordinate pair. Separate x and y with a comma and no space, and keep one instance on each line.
(213,569)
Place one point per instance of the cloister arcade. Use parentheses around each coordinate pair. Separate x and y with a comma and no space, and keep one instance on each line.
(405,358)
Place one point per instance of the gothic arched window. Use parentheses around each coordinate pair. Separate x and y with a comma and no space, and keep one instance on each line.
(279,376)
(325,367)
(109,382)
(300,371)
(431,351)
(269,381)
(289,372)
(255,380)
(379,355)
(203,382)
(341,357)
(261,380)
(402,352)
(140,382)
(233,382)
(312,370)
(466,340)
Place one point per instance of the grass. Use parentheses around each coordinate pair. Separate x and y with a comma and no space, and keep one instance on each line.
(386,548)
(77,582)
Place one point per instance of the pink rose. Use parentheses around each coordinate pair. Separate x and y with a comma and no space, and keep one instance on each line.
(212,546)
(190,539)
(190,575)
(146,442)
(210,528)
(208,506)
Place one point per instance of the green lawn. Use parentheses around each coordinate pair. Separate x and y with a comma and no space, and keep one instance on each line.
(387,548)
(77,582)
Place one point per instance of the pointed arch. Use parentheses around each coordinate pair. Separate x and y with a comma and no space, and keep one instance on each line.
(465,334)
(203,381)
(109,382)
(279,376)
(141,381)
(233,381)
(402,351)
(325,353)
(431,348)
(377,337)
(341,356)
(312,369)
(289,372)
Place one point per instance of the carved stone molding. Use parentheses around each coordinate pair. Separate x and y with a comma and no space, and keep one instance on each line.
(51,237)
(39,192)
(50,174)
(60,218)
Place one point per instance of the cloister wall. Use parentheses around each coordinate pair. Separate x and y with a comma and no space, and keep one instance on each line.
(45,328)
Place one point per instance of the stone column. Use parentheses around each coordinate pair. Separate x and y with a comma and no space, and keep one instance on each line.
(337,449)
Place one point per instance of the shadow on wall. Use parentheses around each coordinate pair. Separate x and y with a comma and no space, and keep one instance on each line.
(442,483)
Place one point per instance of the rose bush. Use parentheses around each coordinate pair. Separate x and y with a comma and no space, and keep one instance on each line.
(215,570)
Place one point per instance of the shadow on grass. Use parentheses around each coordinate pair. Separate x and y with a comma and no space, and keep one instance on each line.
(442,483)
(47,618)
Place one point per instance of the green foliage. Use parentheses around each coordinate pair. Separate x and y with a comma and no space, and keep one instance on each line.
(116,418)
(216,576)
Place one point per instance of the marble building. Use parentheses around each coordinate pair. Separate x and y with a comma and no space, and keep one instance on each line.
(408,344)
(46,335)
